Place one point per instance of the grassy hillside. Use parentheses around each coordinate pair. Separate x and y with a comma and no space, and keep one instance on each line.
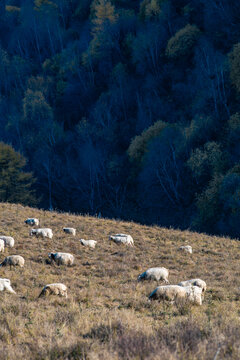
(107,315)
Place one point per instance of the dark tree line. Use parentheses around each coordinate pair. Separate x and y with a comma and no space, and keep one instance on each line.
(128,108)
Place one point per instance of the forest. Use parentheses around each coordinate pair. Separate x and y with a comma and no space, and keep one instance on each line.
(128,109)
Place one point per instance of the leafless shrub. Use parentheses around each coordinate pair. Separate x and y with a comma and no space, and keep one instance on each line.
(76,352)
(183,306)
(105,333)
(135,345)
(186,334)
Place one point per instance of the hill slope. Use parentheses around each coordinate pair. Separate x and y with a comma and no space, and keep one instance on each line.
(107,315)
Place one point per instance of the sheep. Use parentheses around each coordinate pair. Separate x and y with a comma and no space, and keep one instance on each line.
(2,245)
(90,243)
(13,260)
(62,258)
(71,231)
(5,284)
(32,221)
(173,292)
(54,289)
(194,294)
(195,282)
(122,239)
(158,273)
(8,240)
(45,232)
(186,248)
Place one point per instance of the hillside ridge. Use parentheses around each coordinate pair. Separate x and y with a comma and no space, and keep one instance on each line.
(107,313)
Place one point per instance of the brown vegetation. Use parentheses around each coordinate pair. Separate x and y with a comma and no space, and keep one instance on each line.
(107,314)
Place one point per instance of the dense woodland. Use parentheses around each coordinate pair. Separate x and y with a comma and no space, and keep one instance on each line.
(126,108)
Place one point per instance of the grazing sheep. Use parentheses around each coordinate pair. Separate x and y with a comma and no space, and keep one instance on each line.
(194,294)
(2,245)
(13,260)
(62,258)
(46,232)
(54,289)
(90,243)
(122,239)
(186,248)
(173,292)
(5,284)
(8,240)
(32,221)
(71,231)
(158,273)
(194,282)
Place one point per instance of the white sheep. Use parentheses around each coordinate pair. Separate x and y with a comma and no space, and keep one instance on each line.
(62,258)
(8,240)
(45,232)
(122,239)
(90,243)
(157,273)
(186,248)
(13,260)
(194,282)
(54,289)
(5,284)
(32,221)
(192,294)
(71,231)
(2,245)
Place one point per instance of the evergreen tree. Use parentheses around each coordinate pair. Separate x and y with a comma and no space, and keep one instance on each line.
(15,184)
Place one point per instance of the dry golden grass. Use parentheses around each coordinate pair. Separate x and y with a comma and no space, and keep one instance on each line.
(107,314)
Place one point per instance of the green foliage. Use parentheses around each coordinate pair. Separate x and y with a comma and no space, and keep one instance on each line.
(40,84)
(15,184)
(234,61)
(207,161)
(182,43)
(45,5)
(234,122)
(97,48)
(208,206)
(52,66)
(219,204)
(37,124)
(200,130)
(233,130)
(11,8)
(139,145)
(35,107)
(103,16)
(151,8)
(79,79)
(235,170)
(142,9)
(104,13)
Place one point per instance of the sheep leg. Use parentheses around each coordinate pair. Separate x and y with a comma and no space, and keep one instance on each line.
(10,289)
